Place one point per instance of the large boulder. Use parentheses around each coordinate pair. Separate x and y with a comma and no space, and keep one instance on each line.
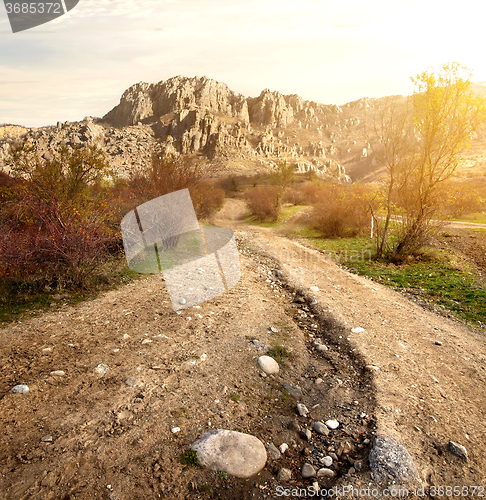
(235,453)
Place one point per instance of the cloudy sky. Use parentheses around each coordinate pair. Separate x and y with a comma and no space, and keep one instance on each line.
(329,51)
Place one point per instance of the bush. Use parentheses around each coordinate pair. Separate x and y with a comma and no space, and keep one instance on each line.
(207,198)
(306,193)
(264,202)
(53,231)
(342,211)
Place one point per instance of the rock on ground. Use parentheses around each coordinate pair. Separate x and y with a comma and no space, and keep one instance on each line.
(268,365)
(391,462)
(235,453)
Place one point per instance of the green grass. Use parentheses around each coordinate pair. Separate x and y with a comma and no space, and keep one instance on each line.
(479,218)
(436,276)
(189,457)
(278,353)
(235,397)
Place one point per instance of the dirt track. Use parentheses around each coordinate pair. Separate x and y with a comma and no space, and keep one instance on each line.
(111,440)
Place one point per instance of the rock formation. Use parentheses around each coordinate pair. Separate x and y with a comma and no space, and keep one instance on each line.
(202,117)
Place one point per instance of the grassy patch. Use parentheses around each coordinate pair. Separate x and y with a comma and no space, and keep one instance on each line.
(285,214)
(235,397)
(278,353)
(437,276)
(189,457)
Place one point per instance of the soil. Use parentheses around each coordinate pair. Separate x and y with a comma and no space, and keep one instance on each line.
(391,367)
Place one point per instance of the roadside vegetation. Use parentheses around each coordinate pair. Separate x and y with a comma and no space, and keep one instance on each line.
(60,237)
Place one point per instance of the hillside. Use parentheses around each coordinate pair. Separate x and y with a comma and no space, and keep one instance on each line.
(202,117)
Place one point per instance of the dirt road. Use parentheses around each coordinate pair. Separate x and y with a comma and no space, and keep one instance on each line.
(390,367)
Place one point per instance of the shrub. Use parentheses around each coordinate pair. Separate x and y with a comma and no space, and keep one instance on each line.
(342,210)
(264,202)
(207,198)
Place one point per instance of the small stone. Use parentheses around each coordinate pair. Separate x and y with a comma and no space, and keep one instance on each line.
(308,471)
(328,473)
(268,365)
(320,428)
(47,439)
(283,448)
(133,382)
(319,381)
(273,452)
(302,409)
(294,426)
(203,357)
(326,461)
(182,301)
(147,341)
(358,465)
(101,369)
(284,475)
(20,388)
(358,329)
(306,434)
(458,450)
(322,348)
(314,289)
(438,342)
(294,391)
(372,368)
(351,471)
(175,430)
(332,424)
(59,373)
(345,448)
(274,329)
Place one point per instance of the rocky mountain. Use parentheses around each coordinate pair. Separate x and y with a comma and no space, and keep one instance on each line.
(204,118)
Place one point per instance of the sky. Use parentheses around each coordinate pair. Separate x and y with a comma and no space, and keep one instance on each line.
(331,52)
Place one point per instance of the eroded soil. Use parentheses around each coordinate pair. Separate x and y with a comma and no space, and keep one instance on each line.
(414,375)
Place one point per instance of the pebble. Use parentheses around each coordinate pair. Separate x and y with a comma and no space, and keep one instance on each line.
(319,381)
(458,450)
(302,409)
(274,329)
(283,448)
(294,391)
(147,341)
(21,389)
(268,365)
(325,473)
(182,301)
(125,336)
(327,461)
(358,329)
(306,434)
(320,428)
(273,452)
(133,382)
(284,474)
(345,448)
(294,425)
(322,348)
(203,357)
(175,430)
(314,289)
(47,439)
(60,373)
(372,368)
(101,369)
(332,424)
(308,471)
